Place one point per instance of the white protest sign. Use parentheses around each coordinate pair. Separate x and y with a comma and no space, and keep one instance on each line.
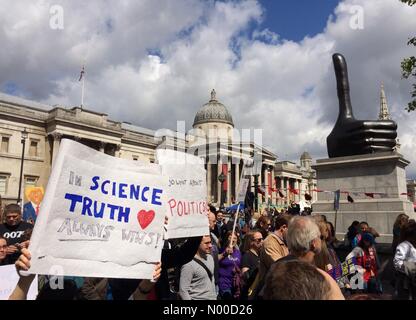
(242,190)
(8,281)
(186,194)
(101,216)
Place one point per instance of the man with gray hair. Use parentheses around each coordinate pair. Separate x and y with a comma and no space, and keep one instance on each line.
(304,242)
(303,239)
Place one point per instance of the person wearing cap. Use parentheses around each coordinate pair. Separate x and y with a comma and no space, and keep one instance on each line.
(367,262)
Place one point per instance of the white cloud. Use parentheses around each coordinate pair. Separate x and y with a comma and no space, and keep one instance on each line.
(154,62)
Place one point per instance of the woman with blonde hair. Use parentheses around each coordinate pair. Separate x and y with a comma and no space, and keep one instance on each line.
(323,259)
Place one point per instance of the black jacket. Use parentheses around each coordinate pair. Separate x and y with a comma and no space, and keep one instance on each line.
(175,257)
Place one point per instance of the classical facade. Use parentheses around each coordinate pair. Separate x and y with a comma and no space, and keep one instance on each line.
(213,138)
(296,180)
(411,190)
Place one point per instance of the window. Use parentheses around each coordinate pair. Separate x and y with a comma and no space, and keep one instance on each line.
(135,158)
(31,181)
(3,184)
(5,144)
(33,149)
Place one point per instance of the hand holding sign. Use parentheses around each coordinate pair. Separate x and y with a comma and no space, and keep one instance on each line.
(351,136)
(23,263)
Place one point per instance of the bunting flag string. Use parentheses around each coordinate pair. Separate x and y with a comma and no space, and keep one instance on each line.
(283,192)
(372,195)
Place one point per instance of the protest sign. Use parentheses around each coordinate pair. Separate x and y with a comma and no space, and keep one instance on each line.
(242,190)
(101,216)
(348,267)
(186,194)
(8,281)
(348,272)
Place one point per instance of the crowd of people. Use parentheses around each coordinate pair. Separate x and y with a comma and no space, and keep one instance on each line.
(269,256)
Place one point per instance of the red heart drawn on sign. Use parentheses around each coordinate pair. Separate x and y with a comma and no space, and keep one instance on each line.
(145,218)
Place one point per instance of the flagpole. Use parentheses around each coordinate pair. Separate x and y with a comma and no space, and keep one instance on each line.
(335,226)
(82,78)
(337,195)
(238,207)
(82,92)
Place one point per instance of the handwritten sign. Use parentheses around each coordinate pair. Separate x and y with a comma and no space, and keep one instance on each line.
(186,194)
(101,216)
(8,281)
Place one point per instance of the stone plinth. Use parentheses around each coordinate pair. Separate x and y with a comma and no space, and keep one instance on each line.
(382,172)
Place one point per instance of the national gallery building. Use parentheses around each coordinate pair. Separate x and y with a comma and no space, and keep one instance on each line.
(42,127)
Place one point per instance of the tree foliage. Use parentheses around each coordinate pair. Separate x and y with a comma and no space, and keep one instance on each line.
(409,65)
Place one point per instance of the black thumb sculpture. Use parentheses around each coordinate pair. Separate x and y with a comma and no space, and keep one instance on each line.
(349,135)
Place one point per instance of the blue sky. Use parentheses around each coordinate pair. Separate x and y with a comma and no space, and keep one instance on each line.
(154,62)
(294,19)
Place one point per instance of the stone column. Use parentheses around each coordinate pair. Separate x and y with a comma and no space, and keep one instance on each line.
(228,181)
(260,197)
(56,143)
(252,184)
(266,184)
(219,190)
(118,151)
(273,186)
(102,146)
(298,188)
(209,181)
(287,191)
(280,186)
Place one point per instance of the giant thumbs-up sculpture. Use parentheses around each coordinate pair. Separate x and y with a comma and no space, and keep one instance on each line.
(349,135)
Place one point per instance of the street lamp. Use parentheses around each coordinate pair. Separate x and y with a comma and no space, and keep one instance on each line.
(256,172)
(221,178)
(23,141)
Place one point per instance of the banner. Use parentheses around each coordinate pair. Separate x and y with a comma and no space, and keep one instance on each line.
(186,194)
(101,216)
(8,281)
